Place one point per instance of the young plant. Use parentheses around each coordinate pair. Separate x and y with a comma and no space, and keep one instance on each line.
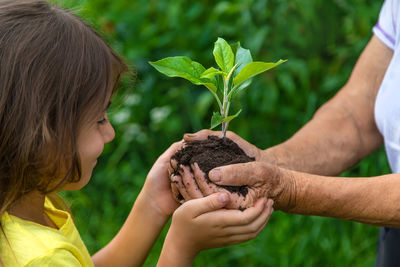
(236,68)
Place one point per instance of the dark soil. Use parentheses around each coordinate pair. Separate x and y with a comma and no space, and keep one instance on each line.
(211,153)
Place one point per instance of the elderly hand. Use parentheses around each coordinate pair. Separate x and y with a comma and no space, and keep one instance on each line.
(186,186)
(190,182)
(262,180)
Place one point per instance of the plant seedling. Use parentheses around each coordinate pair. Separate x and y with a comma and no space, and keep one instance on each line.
(236,68)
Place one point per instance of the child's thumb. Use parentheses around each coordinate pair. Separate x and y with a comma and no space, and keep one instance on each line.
(209,203)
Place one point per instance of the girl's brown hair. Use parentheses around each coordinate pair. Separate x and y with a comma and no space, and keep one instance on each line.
(56,74)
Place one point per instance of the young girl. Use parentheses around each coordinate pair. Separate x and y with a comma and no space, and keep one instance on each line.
(56,80)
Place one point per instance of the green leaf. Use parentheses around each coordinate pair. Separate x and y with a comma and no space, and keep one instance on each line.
(182,67)
(217,119)
(242,58)
(185,68)
(223,55)
(210,73)
(210,86)
(254,68)
(229,118)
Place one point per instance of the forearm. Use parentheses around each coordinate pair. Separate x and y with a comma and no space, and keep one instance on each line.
(134,241)
(371,200)
(342,131)
(327,145)
(173,255)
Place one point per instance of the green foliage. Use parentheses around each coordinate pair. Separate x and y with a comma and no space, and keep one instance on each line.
(252,69)
(186,68)
(321,38)
(223,55)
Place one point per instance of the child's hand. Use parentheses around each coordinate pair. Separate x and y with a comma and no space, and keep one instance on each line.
(201,224)
(156,191)
(191,182)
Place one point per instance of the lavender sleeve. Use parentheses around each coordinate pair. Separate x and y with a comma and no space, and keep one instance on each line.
(385,28)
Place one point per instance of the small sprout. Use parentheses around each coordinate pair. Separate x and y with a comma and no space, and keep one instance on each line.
(236,68)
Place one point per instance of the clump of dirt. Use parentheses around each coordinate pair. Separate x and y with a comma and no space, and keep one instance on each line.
(211,153)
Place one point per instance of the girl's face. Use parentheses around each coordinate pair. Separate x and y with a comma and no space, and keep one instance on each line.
(91,140)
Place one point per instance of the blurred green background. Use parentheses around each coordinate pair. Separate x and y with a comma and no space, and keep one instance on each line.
(321,39)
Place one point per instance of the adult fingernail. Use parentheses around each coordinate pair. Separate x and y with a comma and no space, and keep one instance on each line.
(189,135)
(215,175)
(222,198)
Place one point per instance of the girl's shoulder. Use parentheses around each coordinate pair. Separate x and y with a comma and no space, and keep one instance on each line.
(27,242)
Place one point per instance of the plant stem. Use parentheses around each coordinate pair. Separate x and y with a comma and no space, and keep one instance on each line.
(223,130)
(226,102)
(224,106)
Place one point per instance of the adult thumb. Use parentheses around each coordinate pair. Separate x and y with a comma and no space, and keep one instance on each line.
(237,174)
(209,203)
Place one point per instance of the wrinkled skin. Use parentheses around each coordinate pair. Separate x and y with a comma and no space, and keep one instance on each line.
(190,182)
(193,184)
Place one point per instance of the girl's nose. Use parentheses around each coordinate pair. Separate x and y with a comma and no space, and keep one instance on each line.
(108,133)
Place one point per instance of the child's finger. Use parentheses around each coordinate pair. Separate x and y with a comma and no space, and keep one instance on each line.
(236,239)
(255,226)
(237,218)
(177,179)
(171,171)
(176,194)
(190,183)
(173,164)
(209,203)
(207,188)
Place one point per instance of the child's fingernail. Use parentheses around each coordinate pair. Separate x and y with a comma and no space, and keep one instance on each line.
(272,203)
(189,135)
(222,198)
(215,175)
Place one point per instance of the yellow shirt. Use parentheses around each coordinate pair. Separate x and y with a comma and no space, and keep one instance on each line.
(32,244)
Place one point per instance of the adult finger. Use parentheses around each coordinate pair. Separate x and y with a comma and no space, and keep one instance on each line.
(190,183)
(251,173)
(236,201)
(200,135)
(203,134)
(249,149)
(206,204)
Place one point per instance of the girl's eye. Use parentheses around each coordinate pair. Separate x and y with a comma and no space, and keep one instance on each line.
(102,121)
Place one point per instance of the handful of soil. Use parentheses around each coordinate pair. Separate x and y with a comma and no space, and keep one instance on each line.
(211,153)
